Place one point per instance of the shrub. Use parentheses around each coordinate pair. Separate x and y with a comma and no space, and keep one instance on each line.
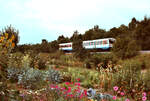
(103,60)
(125,47)
(53,76)
(129,78)
(15,60)
(13,73)
(31,78)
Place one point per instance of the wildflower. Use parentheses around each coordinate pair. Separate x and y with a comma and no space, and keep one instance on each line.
(118,92)
(85,92)
(127,99)
(115,88)
(144,94)
(78,79)
(122,93)
(10,40)
(114,97)
(63,88)
(67,83)
(71,95)
(6,35)
(13,37)
(81,96)
(69,90)
(144,98)
(2,38)
(56,86)
(13,44)
(77,84)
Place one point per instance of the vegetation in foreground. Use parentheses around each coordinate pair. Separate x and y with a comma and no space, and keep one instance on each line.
(28,75)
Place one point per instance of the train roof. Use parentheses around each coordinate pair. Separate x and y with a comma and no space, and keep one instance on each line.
(113,39)
(65,43)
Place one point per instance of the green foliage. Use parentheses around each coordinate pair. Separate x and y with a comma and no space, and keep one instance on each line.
(129,78)
(15,60)
(88,78)
(125,47)
(141,33)
(79,50)
(12,32)
(146,79)
(102,60)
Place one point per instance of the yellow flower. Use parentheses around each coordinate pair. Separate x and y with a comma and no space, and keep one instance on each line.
(7,44)
(2,38)
(13,37)
(6,35)
(13,44)
(10,40)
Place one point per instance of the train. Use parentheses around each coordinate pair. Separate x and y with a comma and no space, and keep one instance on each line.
(99,44)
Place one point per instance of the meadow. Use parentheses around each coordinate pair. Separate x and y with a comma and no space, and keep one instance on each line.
(61,77)
(56,76)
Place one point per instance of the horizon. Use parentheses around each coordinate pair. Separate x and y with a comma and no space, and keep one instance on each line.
(47,19)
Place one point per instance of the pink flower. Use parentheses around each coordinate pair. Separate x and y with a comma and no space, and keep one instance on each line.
(122,93)
(114,97)
(69,90)
(115,88)
(81,96)
(127,99)
(56,87)
(144,93)
(78,79)
(85,92)
(63,88)
(144,98)
(118,92)
(77,84)
(71,95)
(67,83)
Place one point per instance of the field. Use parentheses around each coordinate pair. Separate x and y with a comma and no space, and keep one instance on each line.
(61,77)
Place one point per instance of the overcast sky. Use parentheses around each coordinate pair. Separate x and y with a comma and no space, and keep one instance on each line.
(48,19)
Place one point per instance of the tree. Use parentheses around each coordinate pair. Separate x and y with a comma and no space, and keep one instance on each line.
(132,25)
(62,39)
(125,47)
(142,34)
(78,49)
(12,33)
(8,41)
(94,33)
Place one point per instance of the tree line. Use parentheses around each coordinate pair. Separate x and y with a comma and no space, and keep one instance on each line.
(139,31)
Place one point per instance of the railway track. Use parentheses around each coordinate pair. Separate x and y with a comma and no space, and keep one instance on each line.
(142,52)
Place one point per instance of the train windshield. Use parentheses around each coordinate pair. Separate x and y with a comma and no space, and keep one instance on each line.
(111,41)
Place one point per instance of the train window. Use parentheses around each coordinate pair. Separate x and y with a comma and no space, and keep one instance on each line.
(111,42)
(96,42)
(100,42)
(86,44)
(105,42)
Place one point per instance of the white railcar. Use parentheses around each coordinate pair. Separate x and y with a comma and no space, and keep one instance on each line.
(103,44)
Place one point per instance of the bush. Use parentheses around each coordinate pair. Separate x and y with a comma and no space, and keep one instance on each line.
(103,60)
(53,76)
(129,78)
(15,60)
(125,47)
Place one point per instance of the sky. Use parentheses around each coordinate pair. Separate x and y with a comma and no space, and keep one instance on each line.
(48,19)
